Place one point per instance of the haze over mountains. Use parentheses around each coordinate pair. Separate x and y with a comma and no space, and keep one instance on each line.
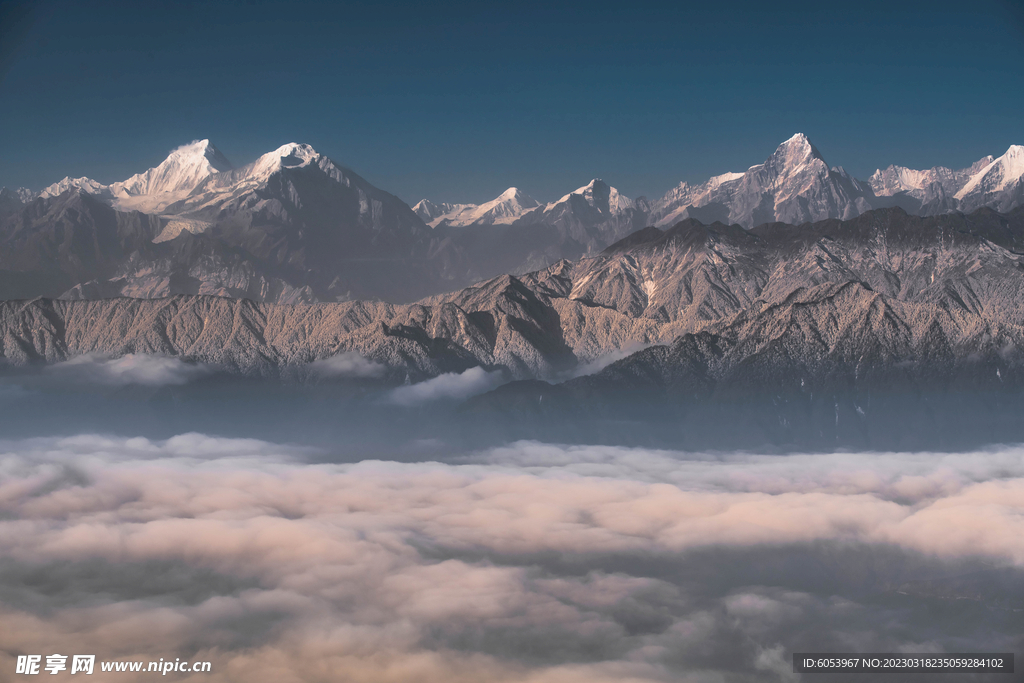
(781,323)
(294,226)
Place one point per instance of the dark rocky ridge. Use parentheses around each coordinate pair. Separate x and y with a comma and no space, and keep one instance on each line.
(955,280)
(882,332)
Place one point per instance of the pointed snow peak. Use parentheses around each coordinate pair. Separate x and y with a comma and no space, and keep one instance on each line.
(292,155)
(515,199)
(511,193)
(432,213)
(798,149)
(183,169)
(295,149)
(199,150)
(601,196)
(803,144)
(793,156)
(586,191)
(503,209)
(1013,163)
(997,175)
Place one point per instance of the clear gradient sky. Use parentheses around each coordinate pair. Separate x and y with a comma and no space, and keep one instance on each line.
(456,101)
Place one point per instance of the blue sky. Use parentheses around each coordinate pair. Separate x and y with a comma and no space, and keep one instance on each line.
(457,101)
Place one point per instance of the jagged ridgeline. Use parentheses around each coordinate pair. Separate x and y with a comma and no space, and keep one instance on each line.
(294,226)
(785,332)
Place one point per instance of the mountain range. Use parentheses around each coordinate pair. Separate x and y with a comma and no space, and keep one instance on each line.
(505,208)
(293,226)
(952,283)
(795,185)
(887,324)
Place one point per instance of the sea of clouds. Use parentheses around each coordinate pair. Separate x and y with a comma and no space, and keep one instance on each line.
(531,562)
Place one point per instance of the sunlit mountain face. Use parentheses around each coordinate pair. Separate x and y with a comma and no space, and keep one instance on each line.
(412,343)
(294,226)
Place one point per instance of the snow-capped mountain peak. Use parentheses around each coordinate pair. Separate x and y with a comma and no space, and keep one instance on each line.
(588,189)
(592,216)
(801,142)
(997,176)
(182,170)
(431,212)
(793,185)
(511,194)
(600,195)
(503,209)
(194,153)
(934,188)
(510,204)
(235,188)
(793,156)
(292,155)
(82,184)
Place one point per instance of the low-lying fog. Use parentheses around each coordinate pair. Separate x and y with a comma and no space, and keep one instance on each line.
(325,533)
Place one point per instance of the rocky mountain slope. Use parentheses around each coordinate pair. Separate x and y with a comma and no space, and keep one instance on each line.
(771,306)
(887,331)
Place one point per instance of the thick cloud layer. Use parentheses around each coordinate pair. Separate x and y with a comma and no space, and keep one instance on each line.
(528,563)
